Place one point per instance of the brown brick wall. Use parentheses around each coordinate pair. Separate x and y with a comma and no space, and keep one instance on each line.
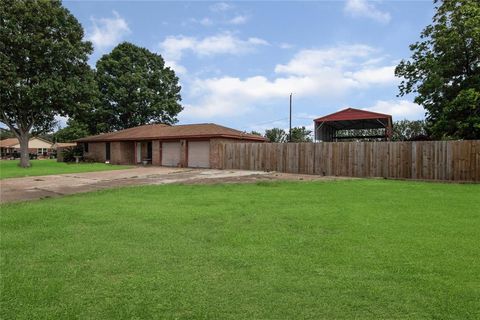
(122,152)
(96,151)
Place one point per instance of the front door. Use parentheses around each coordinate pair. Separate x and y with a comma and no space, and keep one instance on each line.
(149,150)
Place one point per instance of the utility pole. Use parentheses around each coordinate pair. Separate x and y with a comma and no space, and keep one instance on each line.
(290,131)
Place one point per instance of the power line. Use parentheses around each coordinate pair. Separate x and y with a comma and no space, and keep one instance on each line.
(266,122)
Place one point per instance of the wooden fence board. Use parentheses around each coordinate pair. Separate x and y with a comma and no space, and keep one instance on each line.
(429,160)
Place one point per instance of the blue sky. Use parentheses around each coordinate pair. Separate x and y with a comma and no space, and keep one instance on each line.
(239,61)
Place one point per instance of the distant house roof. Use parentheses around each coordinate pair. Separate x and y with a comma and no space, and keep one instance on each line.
(10,142)
(352,114)
(5,143)
(166,132)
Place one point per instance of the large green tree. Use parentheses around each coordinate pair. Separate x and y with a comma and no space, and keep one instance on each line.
(43,67)
(136,88)
(444,70)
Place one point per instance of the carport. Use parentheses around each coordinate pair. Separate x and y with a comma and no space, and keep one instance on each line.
(329,127)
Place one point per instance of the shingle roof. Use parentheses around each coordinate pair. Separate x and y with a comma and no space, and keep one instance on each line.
(13,141)
(64,144)
(166,132)
(5,143)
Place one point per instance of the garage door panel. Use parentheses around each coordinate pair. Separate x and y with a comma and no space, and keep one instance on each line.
(199,154)
(170,154)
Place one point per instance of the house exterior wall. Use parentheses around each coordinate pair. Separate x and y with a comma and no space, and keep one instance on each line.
(122,152)
(96,151)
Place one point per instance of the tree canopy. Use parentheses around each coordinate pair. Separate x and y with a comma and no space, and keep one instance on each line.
(444,70)
(43,67)
(135,89)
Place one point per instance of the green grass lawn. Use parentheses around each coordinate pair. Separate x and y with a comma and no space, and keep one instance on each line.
(10,168)
(359,249)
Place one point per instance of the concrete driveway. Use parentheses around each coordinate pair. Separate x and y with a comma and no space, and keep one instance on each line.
(29,188)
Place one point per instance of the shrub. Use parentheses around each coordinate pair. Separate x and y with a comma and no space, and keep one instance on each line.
(69,153)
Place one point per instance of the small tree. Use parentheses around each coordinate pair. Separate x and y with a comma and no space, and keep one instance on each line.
(405,130)
(43,67)
(256,133)
(301,134)
(135,89)
(276,135)
(74,130)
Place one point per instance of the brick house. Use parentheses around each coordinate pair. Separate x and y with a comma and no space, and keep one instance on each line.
(193,145)
(36,145)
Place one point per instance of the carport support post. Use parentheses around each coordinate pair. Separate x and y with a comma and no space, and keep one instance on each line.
(389,130)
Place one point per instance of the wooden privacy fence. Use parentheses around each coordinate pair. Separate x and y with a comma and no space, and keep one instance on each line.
(432,160)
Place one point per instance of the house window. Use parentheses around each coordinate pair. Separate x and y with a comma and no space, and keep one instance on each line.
(42,150)
(85,146)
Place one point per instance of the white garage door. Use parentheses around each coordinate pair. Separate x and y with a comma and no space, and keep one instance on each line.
(170,154)
(199,154)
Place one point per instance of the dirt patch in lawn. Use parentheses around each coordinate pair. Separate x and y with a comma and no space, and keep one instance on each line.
(31,188)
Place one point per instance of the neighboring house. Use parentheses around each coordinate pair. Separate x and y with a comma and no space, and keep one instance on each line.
(36,145)
(6,146)
(194,145)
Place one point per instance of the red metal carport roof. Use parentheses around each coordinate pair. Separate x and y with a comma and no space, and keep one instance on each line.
(352,114)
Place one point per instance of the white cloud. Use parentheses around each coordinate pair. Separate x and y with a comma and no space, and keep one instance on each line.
(173,47)
(238,20)
(178,68)
(375,75)
(221,6)
(362,8)
(206,21)
(107,32)
(285,45)
(329,72)
(307,62)
(399,109)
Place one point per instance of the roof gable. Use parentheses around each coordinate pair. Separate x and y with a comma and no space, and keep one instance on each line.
(5,143)
(14,143)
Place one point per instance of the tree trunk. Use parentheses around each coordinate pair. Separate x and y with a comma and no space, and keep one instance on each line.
(24,156)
